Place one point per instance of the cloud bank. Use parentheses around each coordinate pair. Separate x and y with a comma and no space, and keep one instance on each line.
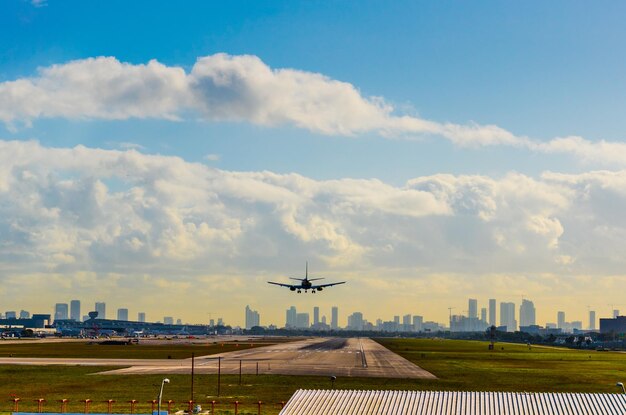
(244,89)
(90,209)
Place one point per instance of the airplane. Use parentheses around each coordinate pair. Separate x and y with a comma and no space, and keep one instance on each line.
(305,283)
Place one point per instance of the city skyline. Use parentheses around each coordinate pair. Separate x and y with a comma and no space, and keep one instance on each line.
(393,146)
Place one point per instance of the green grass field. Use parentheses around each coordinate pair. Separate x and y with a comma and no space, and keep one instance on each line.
(144,350)
(460,365)
(469,365)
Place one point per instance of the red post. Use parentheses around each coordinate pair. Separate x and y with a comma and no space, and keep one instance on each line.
(212,407)
(40,402)
(190,407)
(109,405)
(259,411)
(154,404)
(87,404)
(132,405)
(236,407)
(169,406)
(16,404)
(63,405)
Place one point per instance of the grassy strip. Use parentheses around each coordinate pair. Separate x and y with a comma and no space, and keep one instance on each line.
(143,350)
(469,365)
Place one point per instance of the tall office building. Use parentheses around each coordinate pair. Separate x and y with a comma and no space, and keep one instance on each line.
(252,318)
(472,308)
(527,313)
(141,317)
(615,313)
(592,320)
(560,319)
(483,314)
(61,311)
(24,314)
(406,322)
(75,310)
(302,320)
(492,311)
(355,321)
(418,321)
(168,320)
(101,308)
(291,317)
(507,316)
(316,316)
(122,314)
(334,318)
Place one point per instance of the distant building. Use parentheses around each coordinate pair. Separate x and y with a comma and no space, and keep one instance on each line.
(252,318)
(101,308)
(334,318)
(168,320)
(355,321)
(61,311)
(472,308)
(302,320)
(406,323)
(615,325)
(560,320)
(615,313)
(291,318)
(492,312)
(418,322)
(10,314)
(507,316)
(316,316)
(24,314)
(141,317)
(179,321)
(592,320)
(75,310)
(527,313)
(483,314)
(122,314)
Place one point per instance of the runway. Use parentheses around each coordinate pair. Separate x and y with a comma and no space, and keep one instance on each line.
(358,357)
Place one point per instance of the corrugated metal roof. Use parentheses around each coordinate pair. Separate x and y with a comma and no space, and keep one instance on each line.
(353,402)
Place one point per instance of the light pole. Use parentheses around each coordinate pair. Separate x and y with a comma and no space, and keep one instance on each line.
(620,384)
(166,380)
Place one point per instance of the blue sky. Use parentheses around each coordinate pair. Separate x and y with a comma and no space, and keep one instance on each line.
(539,71)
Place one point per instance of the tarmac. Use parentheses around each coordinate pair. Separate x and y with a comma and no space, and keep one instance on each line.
(358,357)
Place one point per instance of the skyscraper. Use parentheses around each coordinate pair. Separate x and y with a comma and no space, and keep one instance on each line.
(302,320)
(101,308)
(560,319)
(141,317)
(527,313)
(472,308)
(75,310)
(60,311)
(507,316)
(122,314)
(406,322)
(418,321)
(316,316)
(592,320)
(334,318)
(483,314)
(291,317)
(355,321)
(492,311)
(252,318)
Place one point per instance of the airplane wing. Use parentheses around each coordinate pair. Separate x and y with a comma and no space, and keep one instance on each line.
(315,287)
(280,284)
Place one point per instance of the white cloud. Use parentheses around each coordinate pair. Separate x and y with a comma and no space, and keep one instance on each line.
(212,157)
(221,87)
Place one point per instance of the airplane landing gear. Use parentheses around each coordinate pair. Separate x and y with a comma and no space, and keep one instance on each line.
(299,291)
